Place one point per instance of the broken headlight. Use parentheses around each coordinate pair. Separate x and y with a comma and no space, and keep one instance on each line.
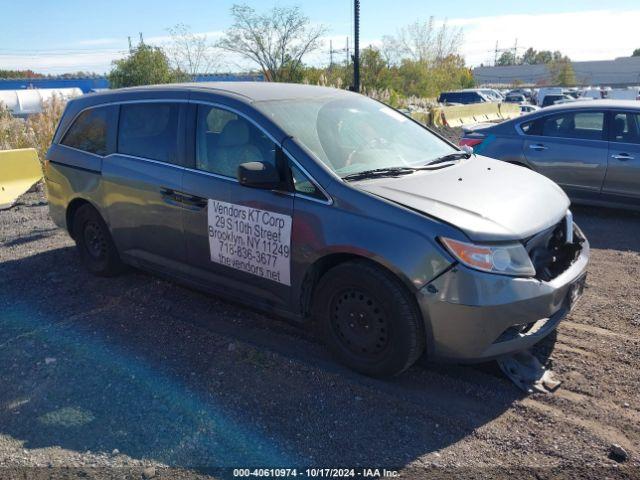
(505,259)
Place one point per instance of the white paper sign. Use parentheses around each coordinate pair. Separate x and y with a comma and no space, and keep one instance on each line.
(252,240)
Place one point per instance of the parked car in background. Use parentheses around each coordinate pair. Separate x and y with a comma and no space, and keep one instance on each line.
(543,92)
(526,92)
(527,108)
(515,98)
(462,97)
(318,203)
(630,93)
(552,99)
(592,93)
(492,94)
(572,92)
(591,149)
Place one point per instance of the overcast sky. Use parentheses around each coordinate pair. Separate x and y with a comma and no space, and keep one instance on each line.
(72,35)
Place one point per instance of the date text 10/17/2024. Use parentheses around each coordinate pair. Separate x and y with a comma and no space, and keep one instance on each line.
(316,472)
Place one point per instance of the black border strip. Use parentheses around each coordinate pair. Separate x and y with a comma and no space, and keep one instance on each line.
(90,170)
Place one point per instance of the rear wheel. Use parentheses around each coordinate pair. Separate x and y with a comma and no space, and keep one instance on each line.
(368,319)
(94,242)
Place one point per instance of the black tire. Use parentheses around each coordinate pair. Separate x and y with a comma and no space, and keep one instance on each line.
(368,319)
(95,245)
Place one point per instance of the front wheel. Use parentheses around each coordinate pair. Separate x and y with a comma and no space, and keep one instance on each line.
(369,319)
(93,239)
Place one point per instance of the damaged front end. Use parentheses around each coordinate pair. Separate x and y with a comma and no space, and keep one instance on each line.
(475,316)
(554,250)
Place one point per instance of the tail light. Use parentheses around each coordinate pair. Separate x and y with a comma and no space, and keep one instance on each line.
(471,142)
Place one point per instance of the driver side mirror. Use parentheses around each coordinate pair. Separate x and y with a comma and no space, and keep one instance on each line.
(259,175)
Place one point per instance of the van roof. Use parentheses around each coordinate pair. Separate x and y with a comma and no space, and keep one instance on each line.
(252,91)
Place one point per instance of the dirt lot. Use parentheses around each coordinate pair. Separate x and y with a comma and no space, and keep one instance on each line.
(112,376)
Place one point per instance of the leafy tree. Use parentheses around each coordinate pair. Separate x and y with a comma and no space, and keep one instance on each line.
(529,57)
(277,41)
(562,72)
(374,71)
(636,53)
(543,57)
(20,74)
(507,58)
(145,65)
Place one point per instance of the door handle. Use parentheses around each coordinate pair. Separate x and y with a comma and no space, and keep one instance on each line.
(170,196)
(538,147)
(193,202)
(622,156)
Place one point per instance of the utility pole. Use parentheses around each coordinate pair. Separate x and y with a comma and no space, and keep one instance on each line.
(515,52)
(495,55)
(356,46)
(348,53)
(330,54)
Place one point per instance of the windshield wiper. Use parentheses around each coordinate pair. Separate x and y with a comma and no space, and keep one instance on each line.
(380,172)
(450,157)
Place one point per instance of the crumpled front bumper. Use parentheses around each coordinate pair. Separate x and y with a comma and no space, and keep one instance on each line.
(472,316)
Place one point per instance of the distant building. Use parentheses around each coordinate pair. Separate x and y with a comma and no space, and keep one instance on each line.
(621,72)
(100,83)
(85,84)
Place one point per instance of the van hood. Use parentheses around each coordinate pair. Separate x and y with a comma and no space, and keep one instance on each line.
(487,199)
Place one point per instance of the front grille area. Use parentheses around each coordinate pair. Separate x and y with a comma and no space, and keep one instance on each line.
(549,251)
(515,331)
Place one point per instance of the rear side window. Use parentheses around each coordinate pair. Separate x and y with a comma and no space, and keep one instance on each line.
(578,125)
(532,127)
(89,132)
(626,128)
(149,130)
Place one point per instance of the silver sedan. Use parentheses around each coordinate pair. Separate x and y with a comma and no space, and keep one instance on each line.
(591,149)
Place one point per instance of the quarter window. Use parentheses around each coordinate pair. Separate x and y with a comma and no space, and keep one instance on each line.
(529,128)
(626,128)
(303,185)
(224,140)
(89,132)
(149,130)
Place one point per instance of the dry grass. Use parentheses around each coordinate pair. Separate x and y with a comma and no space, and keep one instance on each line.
(387,96)
(34,132)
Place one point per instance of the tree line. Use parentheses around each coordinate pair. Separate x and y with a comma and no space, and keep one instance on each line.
(420,60)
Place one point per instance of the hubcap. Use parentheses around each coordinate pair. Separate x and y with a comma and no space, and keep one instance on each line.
(94,240)
(359,323)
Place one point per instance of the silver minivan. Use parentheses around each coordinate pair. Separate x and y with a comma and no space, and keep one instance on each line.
(319,205)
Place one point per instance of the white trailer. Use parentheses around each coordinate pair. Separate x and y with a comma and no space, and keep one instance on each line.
(23,103)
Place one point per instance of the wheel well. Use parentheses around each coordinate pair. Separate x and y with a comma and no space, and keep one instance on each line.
(72,208)
(320,268)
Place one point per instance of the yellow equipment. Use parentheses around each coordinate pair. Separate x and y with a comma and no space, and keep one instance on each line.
(19,170)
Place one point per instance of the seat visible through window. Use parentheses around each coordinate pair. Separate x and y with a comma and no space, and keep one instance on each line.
(626,128)
(225,140)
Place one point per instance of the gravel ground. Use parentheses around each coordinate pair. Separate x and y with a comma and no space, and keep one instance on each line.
(137,377)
